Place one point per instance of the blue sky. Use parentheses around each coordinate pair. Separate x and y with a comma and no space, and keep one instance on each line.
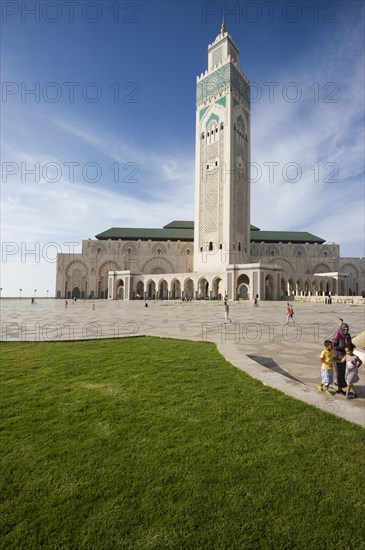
(110,128)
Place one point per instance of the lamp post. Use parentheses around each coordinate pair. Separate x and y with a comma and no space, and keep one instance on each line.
(47,294)
(35,293)
(20,292)
(1,291)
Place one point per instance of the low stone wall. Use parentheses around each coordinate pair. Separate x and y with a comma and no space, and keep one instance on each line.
(356,300)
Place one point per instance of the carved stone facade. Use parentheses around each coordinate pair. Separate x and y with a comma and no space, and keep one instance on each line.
(164,270)
(85,275)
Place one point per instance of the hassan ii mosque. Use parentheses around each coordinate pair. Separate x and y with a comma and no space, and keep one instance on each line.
(219,254)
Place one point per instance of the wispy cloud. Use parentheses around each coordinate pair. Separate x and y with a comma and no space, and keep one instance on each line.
(160,175)
(324,138)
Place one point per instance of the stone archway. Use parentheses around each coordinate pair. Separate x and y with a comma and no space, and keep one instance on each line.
(244,292)
(314,288)
(342,288)
(269,287)
(291,287)
(188,289)
(120,290)
(217,288)
(307,288)
(203,289)
(158,265)
(77,276)
(243,287)
(299,287)
(151,290)
(140,290)
(104,277)
(175,289)
(76,293)
(163,293)
(283,288)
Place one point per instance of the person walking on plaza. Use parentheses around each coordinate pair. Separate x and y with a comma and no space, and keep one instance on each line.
(352,362)
(226,313)
(289,313)
(341,338)
(327,367)
(256,301)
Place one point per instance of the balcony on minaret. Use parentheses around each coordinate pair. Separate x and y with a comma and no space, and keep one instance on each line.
(222,49)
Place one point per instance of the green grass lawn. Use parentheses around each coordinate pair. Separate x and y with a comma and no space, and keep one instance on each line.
(153,443)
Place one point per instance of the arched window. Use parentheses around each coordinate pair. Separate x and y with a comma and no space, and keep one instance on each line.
(222,126)
(203,135)
(211,246)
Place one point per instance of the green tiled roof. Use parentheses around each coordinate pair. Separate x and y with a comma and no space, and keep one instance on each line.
(179,225)
(285,236)
(134,234)
(184,231)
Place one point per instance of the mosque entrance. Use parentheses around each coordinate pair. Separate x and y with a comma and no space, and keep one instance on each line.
(243,292)
(243,287)
(76,293)
(120,290)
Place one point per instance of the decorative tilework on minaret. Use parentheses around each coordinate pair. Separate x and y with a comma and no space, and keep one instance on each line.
(222,186)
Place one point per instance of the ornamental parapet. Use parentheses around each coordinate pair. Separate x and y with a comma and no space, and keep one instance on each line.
(216,81)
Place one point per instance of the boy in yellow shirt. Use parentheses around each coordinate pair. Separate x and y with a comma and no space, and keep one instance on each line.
(327,367)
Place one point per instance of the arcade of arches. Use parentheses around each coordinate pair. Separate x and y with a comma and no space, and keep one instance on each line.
(266,285)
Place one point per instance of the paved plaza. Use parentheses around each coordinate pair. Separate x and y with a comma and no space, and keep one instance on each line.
(257,341)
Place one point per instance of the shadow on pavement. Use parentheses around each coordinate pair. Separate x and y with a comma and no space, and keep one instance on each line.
(269,363)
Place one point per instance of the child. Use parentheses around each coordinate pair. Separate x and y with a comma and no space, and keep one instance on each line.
(327,367)
(353,362)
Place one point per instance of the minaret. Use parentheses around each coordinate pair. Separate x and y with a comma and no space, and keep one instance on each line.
(222,186)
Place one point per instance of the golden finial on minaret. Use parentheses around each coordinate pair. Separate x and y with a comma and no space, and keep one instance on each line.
(223,26)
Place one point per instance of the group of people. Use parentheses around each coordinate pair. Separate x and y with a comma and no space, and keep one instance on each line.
(339,353)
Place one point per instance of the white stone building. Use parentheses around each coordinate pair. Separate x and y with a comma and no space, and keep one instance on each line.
(221,254)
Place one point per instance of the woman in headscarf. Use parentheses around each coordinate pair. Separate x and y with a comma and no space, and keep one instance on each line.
(341,339)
